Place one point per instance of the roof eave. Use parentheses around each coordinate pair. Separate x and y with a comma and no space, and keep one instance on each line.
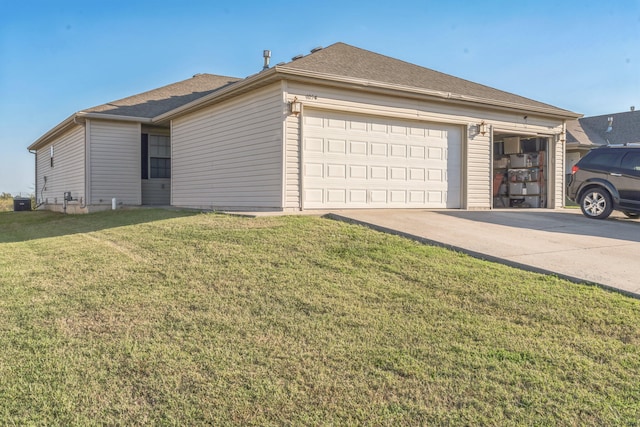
(277,72)
(433,94)
(241,86)
(76,119)
(117,117)
(59,129)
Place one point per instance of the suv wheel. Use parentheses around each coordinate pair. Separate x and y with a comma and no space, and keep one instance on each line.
(632,215)
(596,203)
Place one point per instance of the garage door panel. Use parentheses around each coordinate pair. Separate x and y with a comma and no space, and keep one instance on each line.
(314,170)
(336,195)
(336,171)
(398,173)
(398,150)
(417,174)
(314,196)
(398,196)
(358,148)
(358,171)
(378,196)
(416,197)
(314,145)
(378,172)
(362,161)
(378,149)
(416,152)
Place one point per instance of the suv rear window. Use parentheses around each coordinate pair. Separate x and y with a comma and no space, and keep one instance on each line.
(602,159)
(631,161)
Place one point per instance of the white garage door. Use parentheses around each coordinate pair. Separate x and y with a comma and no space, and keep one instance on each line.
(352,161)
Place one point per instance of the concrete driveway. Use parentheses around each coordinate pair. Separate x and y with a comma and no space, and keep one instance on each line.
(561,242)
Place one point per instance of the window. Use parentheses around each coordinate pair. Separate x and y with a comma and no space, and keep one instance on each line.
(160,167)
(631,161)
(159,156)
(605,159)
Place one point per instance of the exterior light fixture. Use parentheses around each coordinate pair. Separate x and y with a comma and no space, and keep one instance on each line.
(482,128)
(295,106)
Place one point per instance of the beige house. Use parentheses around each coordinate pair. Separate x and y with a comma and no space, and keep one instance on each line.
(338,128)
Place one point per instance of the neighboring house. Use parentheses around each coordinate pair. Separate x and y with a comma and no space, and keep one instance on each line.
(341,127)
(588,132)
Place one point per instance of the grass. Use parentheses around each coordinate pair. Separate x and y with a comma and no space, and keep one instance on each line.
(176,318)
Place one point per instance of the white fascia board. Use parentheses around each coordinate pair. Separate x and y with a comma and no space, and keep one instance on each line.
(447,96)
(103,116)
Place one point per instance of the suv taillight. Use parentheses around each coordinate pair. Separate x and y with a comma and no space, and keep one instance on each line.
(574,169)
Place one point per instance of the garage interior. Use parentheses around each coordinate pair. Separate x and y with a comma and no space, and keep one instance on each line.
(519,171)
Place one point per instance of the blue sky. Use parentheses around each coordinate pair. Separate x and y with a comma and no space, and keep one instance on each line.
(59,57)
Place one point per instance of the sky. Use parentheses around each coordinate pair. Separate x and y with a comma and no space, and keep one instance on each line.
(59,57)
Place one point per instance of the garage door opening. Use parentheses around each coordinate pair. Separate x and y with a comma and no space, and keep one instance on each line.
(520,171)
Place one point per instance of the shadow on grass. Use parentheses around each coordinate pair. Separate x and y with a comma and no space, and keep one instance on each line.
(33,225)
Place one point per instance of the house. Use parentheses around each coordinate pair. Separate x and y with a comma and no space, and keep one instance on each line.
(341,127)
(588,132)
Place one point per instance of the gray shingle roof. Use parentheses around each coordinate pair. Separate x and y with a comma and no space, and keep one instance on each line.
(625,128)
(581,135)
(158,101)
(341,59)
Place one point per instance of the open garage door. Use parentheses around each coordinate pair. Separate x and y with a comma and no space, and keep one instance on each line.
(358,161)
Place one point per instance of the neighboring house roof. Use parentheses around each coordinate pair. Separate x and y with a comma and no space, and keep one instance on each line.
(577,135)
(590,131)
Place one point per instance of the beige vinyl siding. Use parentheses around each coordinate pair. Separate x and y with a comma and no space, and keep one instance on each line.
(478,171)
(229,156)
(114,162)
(67,173)
(293,161)
(156,191)
(558,145)
(477,149)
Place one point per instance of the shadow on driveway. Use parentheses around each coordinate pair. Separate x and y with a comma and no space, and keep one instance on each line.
(617,226)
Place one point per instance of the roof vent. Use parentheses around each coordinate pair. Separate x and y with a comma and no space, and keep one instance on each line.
(610,124)
(315,49)
(633,108)
(197,74)
(266,54)
(297,57)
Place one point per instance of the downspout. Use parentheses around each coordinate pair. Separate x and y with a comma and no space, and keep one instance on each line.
(35,179)
(87,165)
(83,203)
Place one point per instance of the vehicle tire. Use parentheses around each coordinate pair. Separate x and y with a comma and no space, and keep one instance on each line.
(596,203)
(632,215)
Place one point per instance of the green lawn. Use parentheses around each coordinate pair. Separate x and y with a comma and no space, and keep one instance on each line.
(175,318)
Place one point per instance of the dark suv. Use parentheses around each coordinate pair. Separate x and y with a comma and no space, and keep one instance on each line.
(605,179)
